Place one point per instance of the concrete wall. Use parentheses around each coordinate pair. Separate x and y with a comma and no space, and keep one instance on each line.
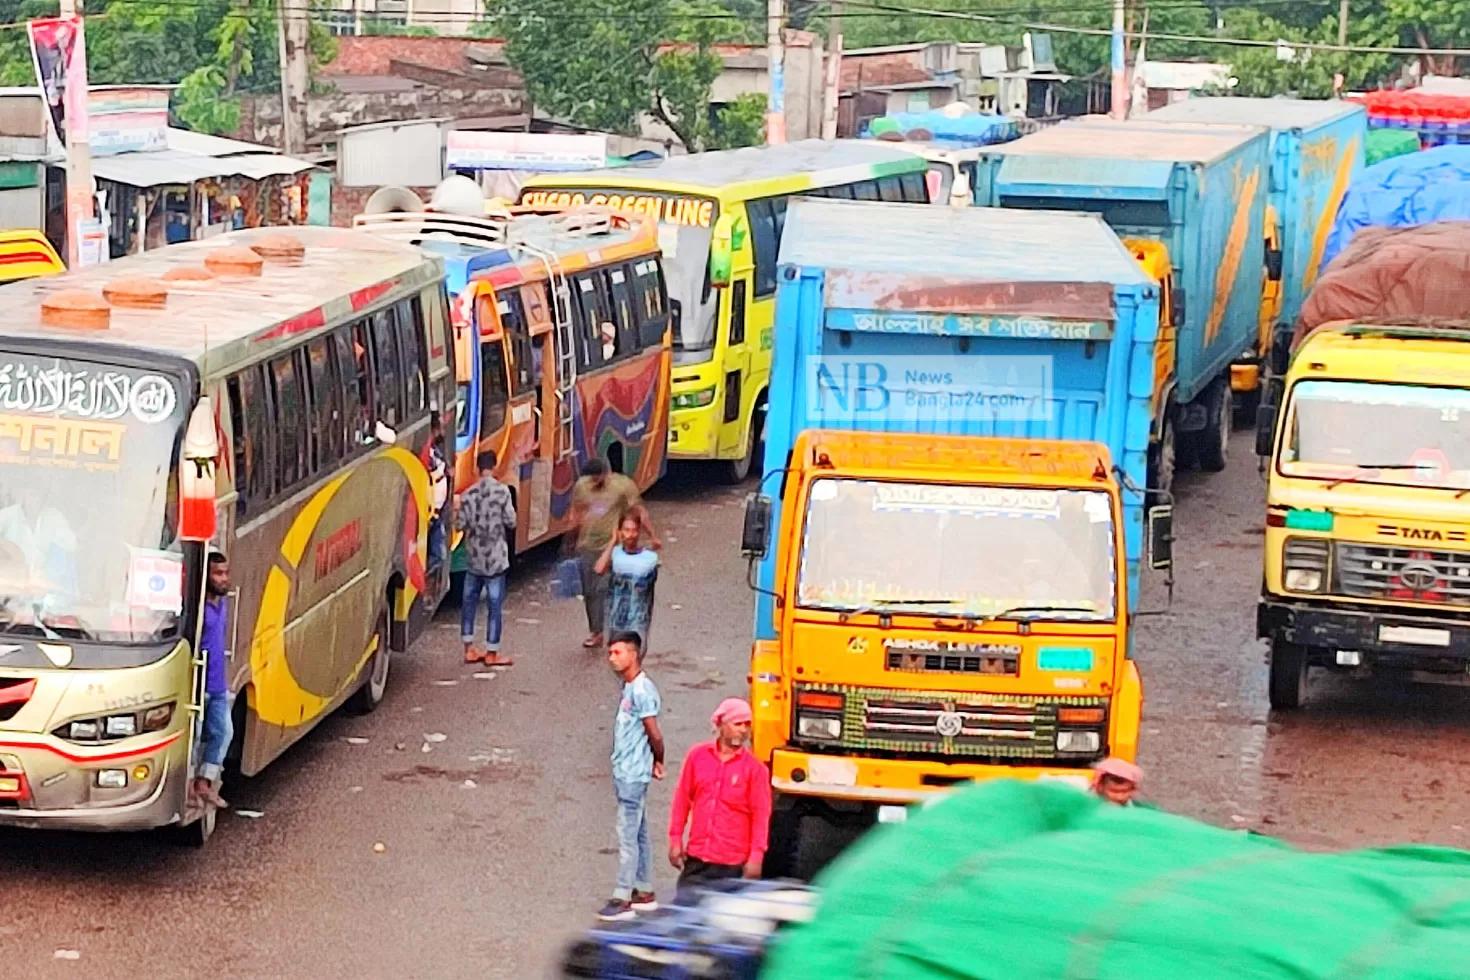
(260,116)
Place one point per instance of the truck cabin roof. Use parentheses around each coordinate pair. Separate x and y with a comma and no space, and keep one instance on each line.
(979,458)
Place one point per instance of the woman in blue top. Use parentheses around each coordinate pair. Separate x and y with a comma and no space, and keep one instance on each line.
(630,590)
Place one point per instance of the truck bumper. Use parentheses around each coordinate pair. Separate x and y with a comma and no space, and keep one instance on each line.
(863,780)
(1385,639)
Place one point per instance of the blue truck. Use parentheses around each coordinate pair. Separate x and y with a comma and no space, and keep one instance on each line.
(1189,201)
(1317,148)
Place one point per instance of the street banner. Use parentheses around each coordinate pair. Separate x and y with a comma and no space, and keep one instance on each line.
(53,46)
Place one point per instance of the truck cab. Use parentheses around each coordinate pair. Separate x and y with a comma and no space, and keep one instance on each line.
(1367,553)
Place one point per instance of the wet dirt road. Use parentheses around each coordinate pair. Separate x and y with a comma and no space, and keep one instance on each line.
(498,840)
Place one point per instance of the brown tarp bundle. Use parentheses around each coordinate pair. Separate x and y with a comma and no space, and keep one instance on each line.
(1397,275)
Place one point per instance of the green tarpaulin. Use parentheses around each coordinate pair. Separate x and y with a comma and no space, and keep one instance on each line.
(1025,881)
(1385,143)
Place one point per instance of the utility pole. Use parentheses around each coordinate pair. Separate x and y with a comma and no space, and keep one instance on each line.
(1119,65)
(80,199)
(293,35)
(1342,15)
(776,66)
(831,104)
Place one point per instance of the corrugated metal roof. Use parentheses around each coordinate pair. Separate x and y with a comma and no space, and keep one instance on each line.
(967,244)
(1133,139)
(1276,113)
(178,167)
(338,262)
(205,145)
(753,163)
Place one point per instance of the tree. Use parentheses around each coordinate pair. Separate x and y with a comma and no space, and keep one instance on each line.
(603,64)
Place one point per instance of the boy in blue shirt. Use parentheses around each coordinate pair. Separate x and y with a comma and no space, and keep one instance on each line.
(218,726)
(637,758)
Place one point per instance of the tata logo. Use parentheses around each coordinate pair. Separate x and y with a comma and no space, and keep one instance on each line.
(1419,533)
(1419,576)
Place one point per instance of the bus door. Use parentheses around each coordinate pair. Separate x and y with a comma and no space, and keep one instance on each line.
(541,351)
(467,378)
(736,337)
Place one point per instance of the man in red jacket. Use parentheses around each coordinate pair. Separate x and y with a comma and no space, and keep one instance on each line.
(724,800)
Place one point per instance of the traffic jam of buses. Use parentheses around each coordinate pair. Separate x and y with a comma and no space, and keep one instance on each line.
(826,559)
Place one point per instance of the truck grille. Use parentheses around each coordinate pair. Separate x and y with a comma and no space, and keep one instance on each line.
(1377,572)
(950,723)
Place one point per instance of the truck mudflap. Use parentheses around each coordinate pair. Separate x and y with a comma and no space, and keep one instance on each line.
(1387,639)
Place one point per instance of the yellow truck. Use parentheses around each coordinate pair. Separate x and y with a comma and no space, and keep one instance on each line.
(1367,556)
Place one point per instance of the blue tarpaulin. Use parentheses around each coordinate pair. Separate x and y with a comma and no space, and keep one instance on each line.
(956,133)
(1404,192)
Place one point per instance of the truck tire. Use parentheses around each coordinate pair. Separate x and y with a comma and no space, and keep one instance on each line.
(1288,686)
(1214,442)
(1163,461)
(785,840)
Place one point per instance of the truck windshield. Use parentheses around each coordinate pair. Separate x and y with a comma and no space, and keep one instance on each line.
(976,551)
(86,526)
(1372,432)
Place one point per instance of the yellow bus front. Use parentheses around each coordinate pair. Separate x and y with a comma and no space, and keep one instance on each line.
(96,676)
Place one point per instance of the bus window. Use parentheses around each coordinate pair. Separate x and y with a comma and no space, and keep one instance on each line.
(289,422)
(388,373)
(326,403)
(779,205)
(598,335)
(253,432)
(649,300)
(513,319)
(352,361)
(620,288)
(890,189)
(915,190)
(765,243)
(865,190)
(737,313)
(843,191)
(493,391)
(411,343)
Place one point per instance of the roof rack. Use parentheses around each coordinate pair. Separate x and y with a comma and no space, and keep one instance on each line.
(1411,328)
(490,231)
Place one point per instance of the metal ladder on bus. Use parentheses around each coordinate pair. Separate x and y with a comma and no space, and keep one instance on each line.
(566,355)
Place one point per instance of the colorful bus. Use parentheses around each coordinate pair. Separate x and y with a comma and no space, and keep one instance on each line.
(26,254)
(299,371)
(567,323)
(720,221)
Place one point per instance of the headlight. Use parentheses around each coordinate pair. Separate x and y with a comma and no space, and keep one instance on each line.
(694,399)
(157,719)
(811,726)
(83,730)
(121,726)
(1303,580)
(112,778)
(1078,741)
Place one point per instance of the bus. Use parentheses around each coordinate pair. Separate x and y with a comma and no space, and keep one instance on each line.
(568,352)
(26,254)
(281,386)
(720,220)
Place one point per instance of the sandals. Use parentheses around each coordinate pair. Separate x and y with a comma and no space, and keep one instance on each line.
(473,656)
(496,660)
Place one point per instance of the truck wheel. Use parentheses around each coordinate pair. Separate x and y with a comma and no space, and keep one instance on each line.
(1164,459)
(1214,441)
(785,840)
(370,695)
(1288,675)
(1246,405)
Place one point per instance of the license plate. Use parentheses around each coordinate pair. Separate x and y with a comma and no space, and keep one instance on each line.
(833,772)
(893,814)
(1415,635)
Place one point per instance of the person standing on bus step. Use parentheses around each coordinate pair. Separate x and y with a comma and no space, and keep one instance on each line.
(634,569)
(487,516)
(219,727)
(637,759)
(600,501)
(724,800)
(433,459)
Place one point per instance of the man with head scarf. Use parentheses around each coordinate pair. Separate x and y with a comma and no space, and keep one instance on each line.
(723,800)
(1116,780)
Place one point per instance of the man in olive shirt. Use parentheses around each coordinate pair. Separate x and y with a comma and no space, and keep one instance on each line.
(599,501)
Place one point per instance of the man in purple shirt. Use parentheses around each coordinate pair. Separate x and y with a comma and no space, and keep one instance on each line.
(218,726)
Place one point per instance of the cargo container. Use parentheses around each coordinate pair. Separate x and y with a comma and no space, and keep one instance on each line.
(1198,192)
(1317,148)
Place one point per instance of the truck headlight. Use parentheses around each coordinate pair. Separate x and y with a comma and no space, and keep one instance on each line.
(815,726)
(1304,561)
(694,399)
(1068,741)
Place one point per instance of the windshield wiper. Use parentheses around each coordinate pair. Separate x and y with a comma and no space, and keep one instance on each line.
(1008,613)
(1363,466)
(886,604)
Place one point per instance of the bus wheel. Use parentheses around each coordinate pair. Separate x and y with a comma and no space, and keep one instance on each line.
(736,470)
(370,695)
(198,833)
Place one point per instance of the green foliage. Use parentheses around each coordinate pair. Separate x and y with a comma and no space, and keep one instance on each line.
(739,123)
(1305,73)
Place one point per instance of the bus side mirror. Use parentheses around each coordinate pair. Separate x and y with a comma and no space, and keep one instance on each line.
(1161,536)
(1265,429)
(755,535)
(1273,264)
(728,238)
(197,517)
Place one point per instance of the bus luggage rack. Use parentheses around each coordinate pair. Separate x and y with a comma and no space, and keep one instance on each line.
(723,933)
(491,231)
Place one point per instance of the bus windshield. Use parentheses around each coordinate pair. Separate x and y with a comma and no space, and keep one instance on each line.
(685,229)
(87,548)
(974,551)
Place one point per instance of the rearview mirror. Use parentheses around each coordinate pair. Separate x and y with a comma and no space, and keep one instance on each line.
(756,533)
(1265,429)
(1177,310)
(1280,351)
(728,238)
(1273,264)
(1161,536)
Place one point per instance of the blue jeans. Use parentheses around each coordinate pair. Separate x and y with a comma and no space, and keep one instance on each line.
(635,856)
(219,729)
(494,588)
(438,544)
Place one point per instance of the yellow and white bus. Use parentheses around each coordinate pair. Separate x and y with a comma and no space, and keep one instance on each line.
(301,369)
(720,220)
